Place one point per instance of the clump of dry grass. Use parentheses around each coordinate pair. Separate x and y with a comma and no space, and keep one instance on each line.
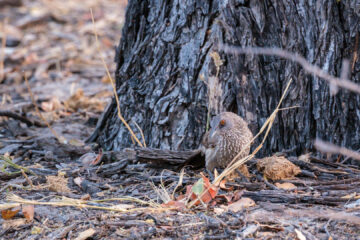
(71,202)
(277,168)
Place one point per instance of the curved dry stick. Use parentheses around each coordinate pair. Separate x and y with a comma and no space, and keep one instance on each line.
(295,57)
(327,147)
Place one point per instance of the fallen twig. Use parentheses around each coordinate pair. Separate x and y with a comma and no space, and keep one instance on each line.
(20,118)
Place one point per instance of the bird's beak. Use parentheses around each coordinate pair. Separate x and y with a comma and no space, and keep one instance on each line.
(212,133)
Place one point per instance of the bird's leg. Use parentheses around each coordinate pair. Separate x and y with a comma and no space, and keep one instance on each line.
(211,175)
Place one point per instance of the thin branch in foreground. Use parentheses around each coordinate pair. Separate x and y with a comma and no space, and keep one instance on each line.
(327,147)
(295,57)
(113,85)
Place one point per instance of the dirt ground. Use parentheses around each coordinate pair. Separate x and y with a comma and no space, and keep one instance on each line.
(54,186)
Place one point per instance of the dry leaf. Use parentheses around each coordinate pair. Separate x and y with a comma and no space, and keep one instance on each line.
(90,158)
(241,204)
(86,234)
(219,210)
(28,211)
(52,105)
(105,79)
(78,181)
(80,101)
(174,204)
(9,213)
(76,142)
(86,197)
(285,185)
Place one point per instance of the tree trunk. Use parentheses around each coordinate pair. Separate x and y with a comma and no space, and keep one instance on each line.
(170,72)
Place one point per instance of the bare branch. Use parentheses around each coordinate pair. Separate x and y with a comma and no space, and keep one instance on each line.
(295,57)
(327,147)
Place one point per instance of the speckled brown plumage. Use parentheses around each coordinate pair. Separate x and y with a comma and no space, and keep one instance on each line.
(229,134)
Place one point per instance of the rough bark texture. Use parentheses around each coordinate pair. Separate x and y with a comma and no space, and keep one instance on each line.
(165,64)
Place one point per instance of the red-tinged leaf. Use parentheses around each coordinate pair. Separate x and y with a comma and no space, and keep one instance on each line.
(181,197)
(188,190)
(223,186)
(202,190)
(205,179)
(213,192)
(98,158)
(206,197)
(28,211)
(9,213)
(212,189)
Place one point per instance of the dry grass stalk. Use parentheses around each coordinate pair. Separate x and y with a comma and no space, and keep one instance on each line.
(141,133)
(70,202)
(27,178)
(308,67)
(161,192)
(61,139)
(181,177)
(235,163)
(130,199)
(113,84)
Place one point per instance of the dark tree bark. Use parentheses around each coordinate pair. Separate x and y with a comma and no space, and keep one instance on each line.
(166,63)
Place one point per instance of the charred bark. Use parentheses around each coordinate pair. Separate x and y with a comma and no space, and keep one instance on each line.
(167,61)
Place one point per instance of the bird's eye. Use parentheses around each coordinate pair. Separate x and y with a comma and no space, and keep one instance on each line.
(222,123)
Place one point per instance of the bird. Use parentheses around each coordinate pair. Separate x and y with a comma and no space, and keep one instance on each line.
(229,134)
